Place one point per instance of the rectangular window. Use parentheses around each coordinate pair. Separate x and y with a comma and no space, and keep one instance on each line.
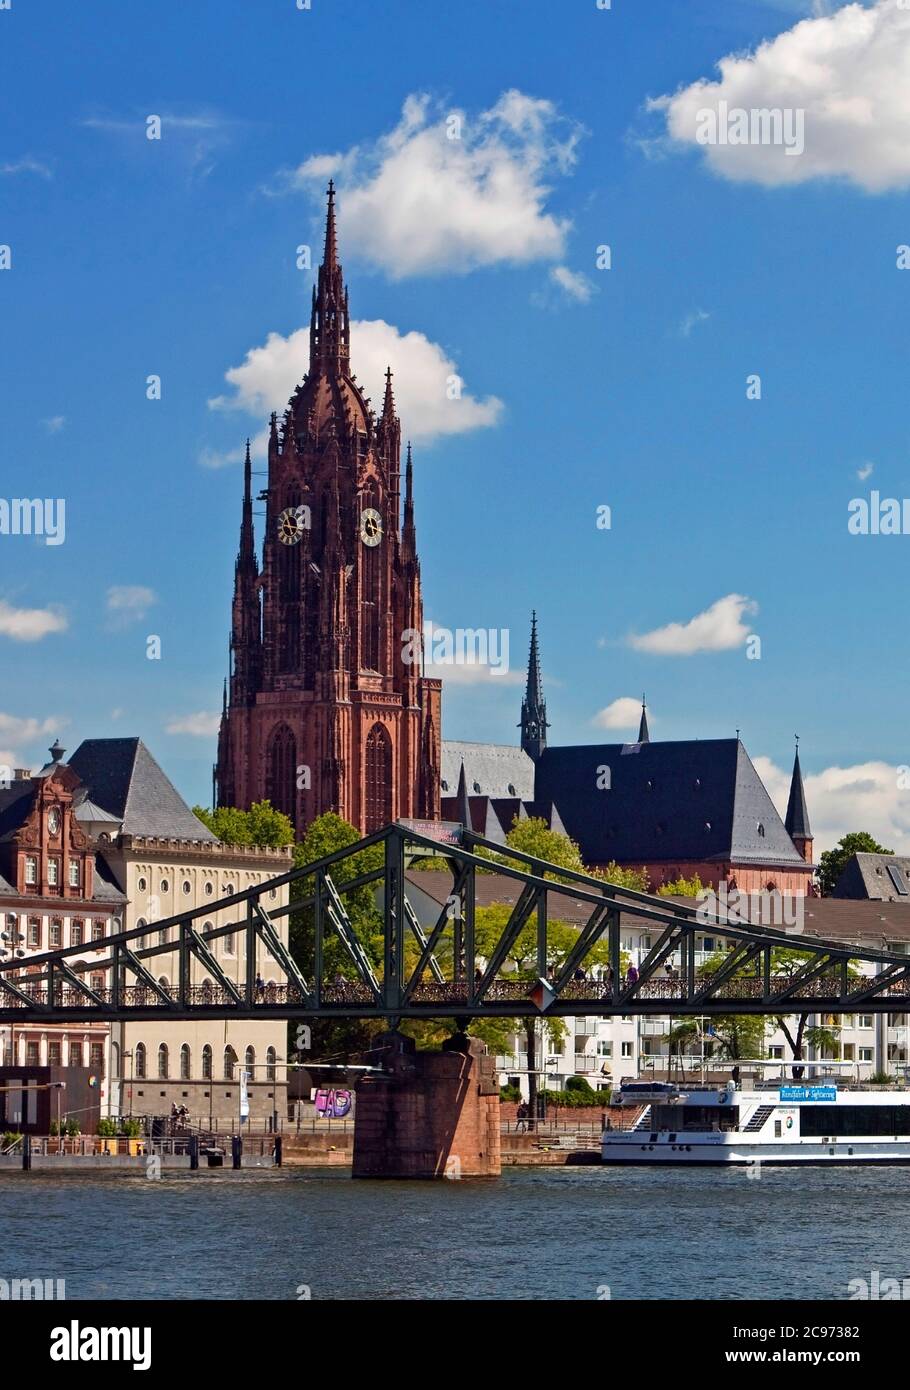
(74,873)
(31,869)
(97,931)
(865,1020)
(849,1052)
(53,1054)
(56,938)
(53,872)
(604,1048)
(97,1057)
(75,1054)
(34,931)
(32,1053)
(865,1054)
(76,933)
(775,1053)
(627,1049)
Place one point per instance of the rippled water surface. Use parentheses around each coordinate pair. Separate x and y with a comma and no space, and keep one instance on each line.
(535,1234)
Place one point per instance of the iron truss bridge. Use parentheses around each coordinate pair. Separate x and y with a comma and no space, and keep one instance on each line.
(436,969)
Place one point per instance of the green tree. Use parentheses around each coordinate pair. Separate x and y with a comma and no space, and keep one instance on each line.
(260,825)
(681,888)
(635,879)
(832,862)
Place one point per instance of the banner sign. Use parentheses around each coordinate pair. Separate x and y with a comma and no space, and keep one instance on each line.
(788,1094)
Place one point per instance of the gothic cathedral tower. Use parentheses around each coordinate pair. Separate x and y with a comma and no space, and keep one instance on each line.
(326,707)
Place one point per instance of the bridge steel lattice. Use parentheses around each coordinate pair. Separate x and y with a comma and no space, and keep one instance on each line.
(440,972)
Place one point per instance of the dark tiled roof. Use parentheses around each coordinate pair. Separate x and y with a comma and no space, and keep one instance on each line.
(15,804)
(122,776)
(106,888)
(497,768)
(683,800)
(868,876)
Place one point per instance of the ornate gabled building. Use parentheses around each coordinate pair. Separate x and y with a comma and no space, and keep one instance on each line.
(326,707)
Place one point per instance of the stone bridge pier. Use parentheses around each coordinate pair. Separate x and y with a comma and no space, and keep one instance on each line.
(430,1114)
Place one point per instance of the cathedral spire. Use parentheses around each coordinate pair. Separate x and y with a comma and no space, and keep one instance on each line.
(643,734)
(796,822)
(533,707)
(247,554)
(388,404)
(330,327)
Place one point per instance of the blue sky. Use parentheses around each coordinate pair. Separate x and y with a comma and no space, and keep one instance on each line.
(582,387)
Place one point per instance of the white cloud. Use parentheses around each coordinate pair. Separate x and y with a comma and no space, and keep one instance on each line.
(473,673)
(865,472)
(26,165)
(847,71)
(717,629)
(29,624)
(26,730)
(575,285)
(624,713)
(128,603)
(200,724)
(423,376)
(691,321)
(54,424)
(865,796)
(417,201)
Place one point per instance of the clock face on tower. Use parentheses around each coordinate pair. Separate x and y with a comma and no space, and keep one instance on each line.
(53,820)
(291,525)
(370,526)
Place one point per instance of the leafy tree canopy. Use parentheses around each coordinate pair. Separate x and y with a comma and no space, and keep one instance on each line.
(260,825)
(833,861)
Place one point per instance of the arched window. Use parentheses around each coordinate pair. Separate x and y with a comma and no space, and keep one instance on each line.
(140,1061)
(271,1058)
(249,1060)
(378,778)
(115,1059)
(281,764)
(230,1062)
(185,1062)
(206,1063)
(163,1062)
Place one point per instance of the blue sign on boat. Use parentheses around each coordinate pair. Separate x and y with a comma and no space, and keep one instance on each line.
(788,1094)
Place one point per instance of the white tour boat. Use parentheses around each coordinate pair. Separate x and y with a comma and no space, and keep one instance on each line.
(779,1122)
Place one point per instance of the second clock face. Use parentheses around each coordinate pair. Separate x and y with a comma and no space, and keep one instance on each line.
(53,820)
(370,526)
(291,525)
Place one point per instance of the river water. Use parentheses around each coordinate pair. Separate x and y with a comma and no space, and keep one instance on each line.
(566,1233)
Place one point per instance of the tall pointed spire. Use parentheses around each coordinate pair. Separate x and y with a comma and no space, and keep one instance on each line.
(462,801)
(388,404)
(330,325)
(643,734)
(409,495)
(797,818)
(533,707)
(330,253)
(247,554)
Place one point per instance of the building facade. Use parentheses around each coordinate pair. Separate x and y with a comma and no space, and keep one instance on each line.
(55,891)
(165,861)
(326,707)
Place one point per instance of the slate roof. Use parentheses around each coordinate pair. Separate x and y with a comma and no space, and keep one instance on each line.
(15,802)
(868,876)
(122,776)
(679,800)
(498,768)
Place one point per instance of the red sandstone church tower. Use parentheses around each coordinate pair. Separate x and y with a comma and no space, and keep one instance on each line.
(322,711)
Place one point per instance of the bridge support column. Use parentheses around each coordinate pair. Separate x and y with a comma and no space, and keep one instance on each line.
(431,1115)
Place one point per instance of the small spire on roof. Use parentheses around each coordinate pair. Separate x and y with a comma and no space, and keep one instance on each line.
(643,734)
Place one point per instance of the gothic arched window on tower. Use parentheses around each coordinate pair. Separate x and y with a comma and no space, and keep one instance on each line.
(371,606)
(378,779)
(282,770)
